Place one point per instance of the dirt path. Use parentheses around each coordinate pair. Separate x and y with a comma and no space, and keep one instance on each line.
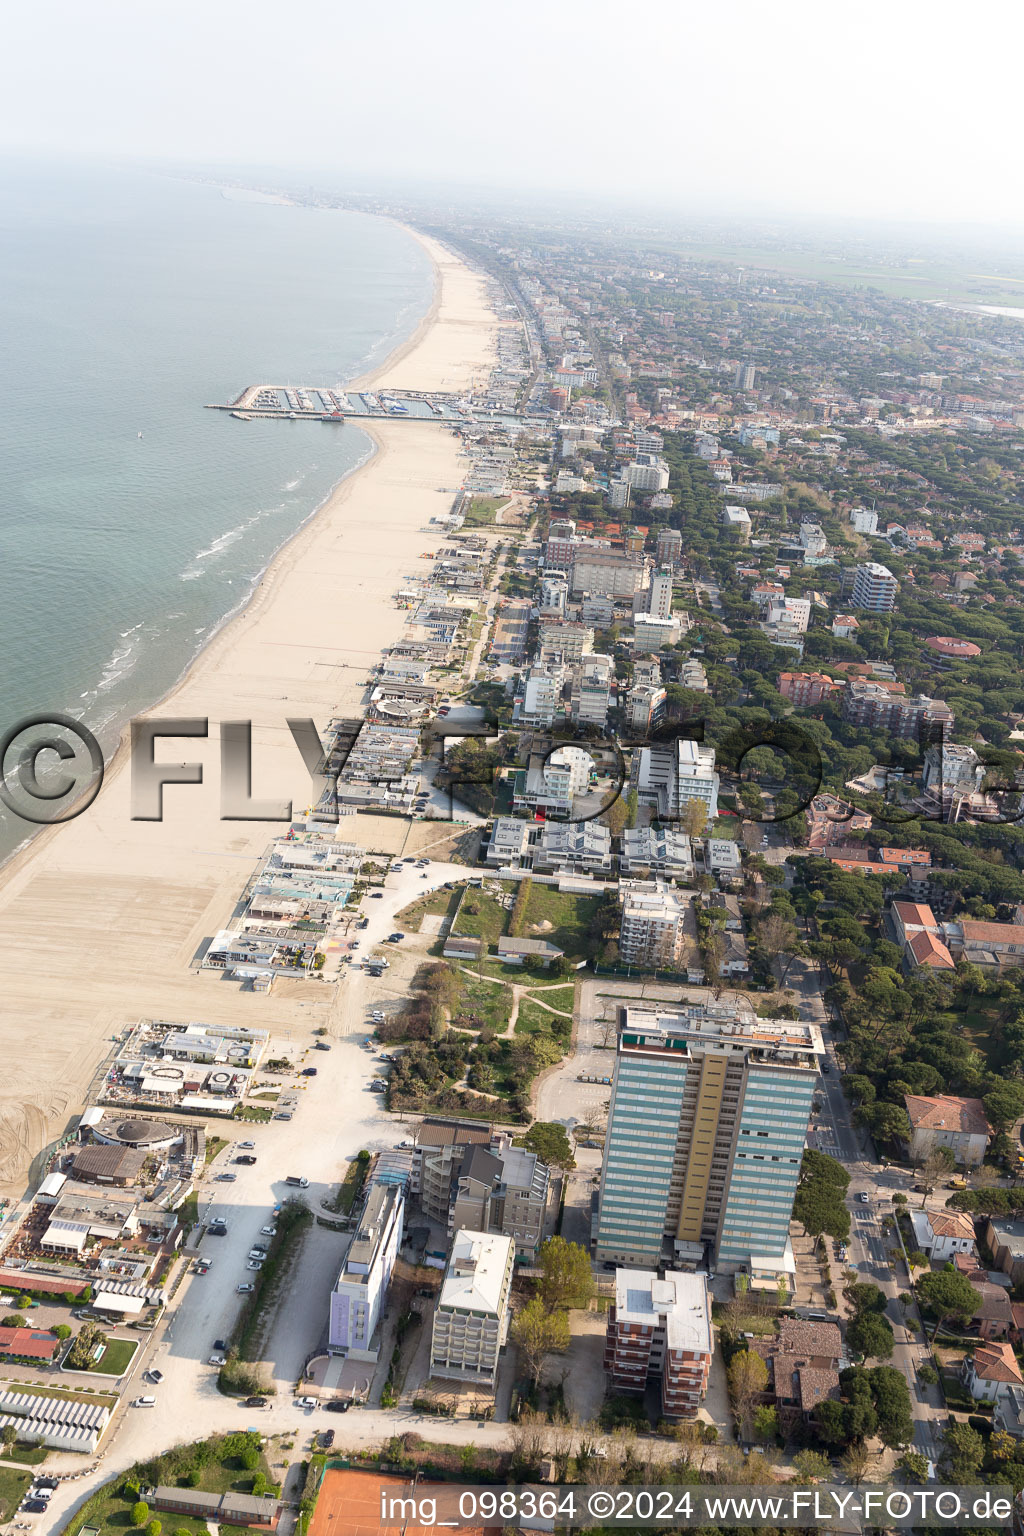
(520,991)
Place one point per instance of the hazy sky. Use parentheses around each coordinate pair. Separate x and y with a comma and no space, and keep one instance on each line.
(900,109)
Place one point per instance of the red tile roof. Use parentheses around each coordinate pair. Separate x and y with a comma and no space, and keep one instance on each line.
(29,1343)
(945,1112)
(915,913)
(997,1362)
(930,951)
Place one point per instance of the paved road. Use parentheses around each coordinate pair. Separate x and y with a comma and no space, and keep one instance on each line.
(337,1117)
(869,1247)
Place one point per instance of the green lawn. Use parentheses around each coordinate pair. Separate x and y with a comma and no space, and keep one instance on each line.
(532,1020)
(111,1511)
(437,904)
(27,1452)
(352,1183)
(482,916)
(482,1005)
(116,1357)
(481,510)
(563,998)
(570,918)
(12,1490)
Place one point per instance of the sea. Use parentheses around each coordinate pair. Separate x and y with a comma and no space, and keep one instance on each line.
(134,522)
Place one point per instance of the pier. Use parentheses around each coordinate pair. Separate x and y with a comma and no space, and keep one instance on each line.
(321,402)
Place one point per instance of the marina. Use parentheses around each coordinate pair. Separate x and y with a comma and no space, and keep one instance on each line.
(319,402)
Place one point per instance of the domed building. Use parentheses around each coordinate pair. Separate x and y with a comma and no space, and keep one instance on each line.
(949,648)
(149,1135)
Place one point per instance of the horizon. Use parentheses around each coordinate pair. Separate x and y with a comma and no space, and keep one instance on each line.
(743,116)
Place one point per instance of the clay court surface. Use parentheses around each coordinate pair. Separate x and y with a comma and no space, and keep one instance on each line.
(349,1505)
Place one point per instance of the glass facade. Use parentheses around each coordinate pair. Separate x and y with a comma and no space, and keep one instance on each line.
(640,1152)
(766,1165)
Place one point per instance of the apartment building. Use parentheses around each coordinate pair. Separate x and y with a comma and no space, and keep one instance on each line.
(561,541)
(736,520)
(706,1131)
(669,777)
(874,588)
(805,688)
(360,1291)
(652,633)
(944,1120)
(550,784)
(619,493)
(471,1318)
(647,472)
(510,845)
(990,945)
(863,520)
(598,568)
(669,547)
(812,540)
(656,597)
(592,690)
(660,851)
(542,695)
(563,638)
(951,766)
(504,1192)
(787,614)
(645,705)
(437,1151)
(573,847)
(661,1328)
(875,705)
(658,926)
(554,595)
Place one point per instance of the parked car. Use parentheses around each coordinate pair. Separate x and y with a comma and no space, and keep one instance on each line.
(144,1402)
(325,1439)
(226,1178)
(340,1405)
(38,1506)
(321,1045)
(255,1402)
(305,1402)
(376,895)
(268,1231)
(156,1376)
(245,1289)
(217,1359)
(246,1146)
(246,1158)
(254,1264)
(218,1229)
(306,1072)
(221,1345)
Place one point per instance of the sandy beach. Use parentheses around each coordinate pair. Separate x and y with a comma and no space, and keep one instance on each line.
(100,919)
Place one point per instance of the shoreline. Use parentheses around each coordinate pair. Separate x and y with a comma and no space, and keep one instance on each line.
(114,762)
(114,912)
